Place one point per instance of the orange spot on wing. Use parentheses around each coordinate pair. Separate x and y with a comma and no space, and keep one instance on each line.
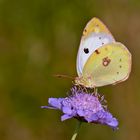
(106,61)
(97,52)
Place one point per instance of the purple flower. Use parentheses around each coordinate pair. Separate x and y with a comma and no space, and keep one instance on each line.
(83,106)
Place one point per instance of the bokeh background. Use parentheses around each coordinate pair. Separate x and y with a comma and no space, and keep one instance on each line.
(40,38)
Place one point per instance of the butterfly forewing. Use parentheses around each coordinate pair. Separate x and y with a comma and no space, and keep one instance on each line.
(95,25)
(94,36)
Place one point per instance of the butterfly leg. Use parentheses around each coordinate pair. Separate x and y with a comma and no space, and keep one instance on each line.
(95,91)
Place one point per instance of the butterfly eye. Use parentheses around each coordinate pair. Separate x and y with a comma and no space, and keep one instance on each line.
(86,50)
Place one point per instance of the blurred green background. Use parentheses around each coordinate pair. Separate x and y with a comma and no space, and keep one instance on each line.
(41,38)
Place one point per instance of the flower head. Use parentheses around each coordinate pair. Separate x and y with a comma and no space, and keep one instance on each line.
(83,106)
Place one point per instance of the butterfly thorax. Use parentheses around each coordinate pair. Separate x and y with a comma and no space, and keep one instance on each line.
(85,81)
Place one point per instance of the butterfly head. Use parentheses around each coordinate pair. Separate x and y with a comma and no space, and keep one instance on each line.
(85,81)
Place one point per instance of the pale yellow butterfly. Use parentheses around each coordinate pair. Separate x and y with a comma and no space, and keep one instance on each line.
(101,60)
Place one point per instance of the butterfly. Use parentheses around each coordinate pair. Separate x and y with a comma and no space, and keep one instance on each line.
(101,60)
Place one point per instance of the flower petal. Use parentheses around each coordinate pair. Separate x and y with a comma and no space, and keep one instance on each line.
(65,117)
(67,110)
(80,112)
(94,117)
(48,107)
(113,123)
(54,102)
(104,117)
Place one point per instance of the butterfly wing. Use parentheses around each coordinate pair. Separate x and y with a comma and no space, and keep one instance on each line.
(95,25)
(110,64)
(94,36)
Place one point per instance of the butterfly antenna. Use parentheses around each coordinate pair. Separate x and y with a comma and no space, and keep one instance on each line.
(63,76)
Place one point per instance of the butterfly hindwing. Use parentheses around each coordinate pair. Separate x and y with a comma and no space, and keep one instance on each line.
(110,64)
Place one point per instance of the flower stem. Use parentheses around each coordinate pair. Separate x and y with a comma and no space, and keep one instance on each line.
(76,130)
